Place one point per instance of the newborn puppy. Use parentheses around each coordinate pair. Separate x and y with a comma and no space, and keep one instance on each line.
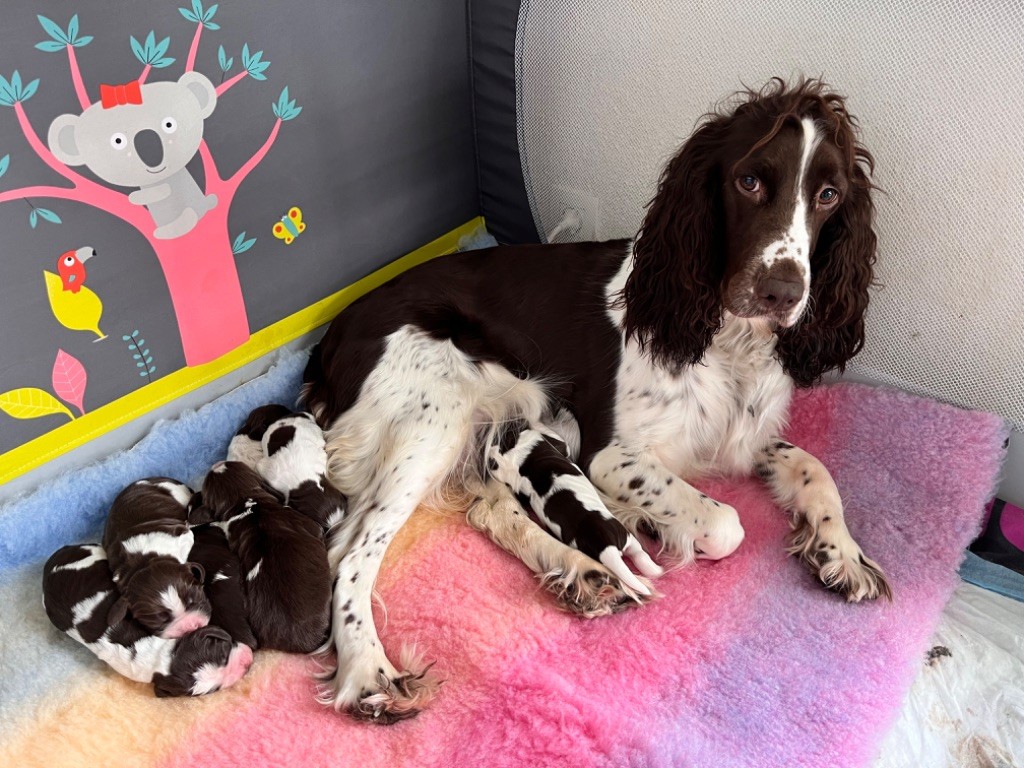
(78,594)
(281,553)
(148,542)
(247,445)
(223,584)
(292,459)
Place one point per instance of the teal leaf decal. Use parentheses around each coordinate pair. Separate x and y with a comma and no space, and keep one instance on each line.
(151,52)
(140,354)
(48,215)
(7,96)
(54,30)
(59,38)
(254,63)
(241,245)
(189,16)
(5,163)
(223,60)
(29,91)
(137,49)
(285,109)
(12,91)
(33,218)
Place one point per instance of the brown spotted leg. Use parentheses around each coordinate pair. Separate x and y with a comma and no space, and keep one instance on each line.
(801,484)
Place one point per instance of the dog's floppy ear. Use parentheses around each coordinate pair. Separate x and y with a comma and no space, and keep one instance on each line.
(197,571)
(673,296)
(163,687)
(200,514)
(118,612)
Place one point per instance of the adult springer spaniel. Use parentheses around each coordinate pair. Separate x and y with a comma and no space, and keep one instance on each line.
(542,375)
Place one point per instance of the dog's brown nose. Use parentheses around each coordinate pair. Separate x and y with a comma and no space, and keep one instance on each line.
(779,294)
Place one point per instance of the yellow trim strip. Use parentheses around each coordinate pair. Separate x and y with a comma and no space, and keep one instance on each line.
(37,452)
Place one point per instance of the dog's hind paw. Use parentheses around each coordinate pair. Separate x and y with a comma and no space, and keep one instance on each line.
(383,695)
(397,698)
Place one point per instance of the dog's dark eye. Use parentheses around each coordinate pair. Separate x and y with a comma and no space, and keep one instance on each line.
(748,183)
(828,195)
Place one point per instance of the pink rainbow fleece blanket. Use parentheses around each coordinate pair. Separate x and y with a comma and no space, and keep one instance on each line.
(745,662)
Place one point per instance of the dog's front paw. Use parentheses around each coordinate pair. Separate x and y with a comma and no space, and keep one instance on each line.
(382,695)
(834,557)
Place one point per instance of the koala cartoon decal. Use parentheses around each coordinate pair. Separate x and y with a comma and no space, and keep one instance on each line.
(143,136)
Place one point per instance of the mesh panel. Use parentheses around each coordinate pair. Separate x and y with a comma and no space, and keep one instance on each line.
(609,91)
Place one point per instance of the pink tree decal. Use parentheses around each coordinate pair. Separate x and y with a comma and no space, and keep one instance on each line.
(199,266)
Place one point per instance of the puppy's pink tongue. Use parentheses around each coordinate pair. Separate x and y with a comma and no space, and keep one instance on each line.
(188,622)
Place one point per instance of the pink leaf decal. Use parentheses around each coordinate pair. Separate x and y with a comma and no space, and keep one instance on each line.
(69,379)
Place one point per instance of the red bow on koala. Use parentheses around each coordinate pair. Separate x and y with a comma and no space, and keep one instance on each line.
(116,95)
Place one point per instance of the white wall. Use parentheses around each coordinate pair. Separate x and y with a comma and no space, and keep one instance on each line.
(609,90)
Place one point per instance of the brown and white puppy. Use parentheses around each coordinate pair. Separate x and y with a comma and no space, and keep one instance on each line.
(281,553)
(289,452)
(223,584)
(247,444)
(78,594)
(148,541)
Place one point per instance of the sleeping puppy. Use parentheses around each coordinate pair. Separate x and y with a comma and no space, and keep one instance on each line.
(223,583)
(148,542)
(292,458)
(78,595)
(247,445)
(281,553)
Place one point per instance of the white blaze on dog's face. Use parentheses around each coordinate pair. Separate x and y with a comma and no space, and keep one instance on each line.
(776,199)
(204,661)
(168,597)
(183,618)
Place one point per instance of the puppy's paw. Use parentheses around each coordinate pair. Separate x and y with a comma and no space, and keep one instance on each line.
(591,591)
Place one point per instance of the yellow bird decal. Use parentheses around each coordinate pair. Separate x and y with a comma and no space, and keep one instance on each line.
(78,311)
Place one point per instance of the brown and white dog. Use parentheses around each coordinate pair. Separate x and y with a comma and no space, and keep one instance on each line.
(288,451)
(675,354)
(79,594)
(148,541)
(281,553)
